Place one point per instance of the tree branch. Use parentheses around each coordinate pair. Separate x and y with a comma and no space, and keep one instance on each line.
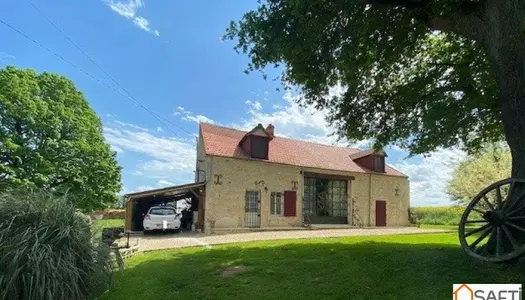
(462,17)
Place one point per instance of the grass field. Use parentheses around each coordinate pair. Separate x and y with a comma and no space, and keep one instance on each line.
(449,215)
(401,267)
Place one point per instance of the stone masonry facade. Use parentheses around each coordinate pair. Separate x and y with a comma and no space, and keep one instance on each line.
(228,179)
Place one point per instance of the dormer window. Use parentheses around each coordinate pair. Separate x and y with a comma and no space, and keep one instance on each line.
(370,159)
(259,147)
(379,163)
(256,142)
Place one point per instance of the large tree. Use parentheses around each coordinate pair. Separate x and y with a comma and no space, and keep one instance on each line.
(422,74)
(419,73)
(51,138)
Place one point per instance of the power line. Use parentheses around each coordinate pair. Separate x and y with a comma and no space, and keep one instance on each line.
(126,96)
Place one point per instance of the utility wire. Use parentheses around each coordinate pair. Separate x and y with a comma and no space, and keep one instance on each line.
(127,95)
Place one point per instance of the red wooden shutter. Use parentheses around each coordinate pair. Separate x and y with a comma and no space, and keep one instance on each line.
(290,199)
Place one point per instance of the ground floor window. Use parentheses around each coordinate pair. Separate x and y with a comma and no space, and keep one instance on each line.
(325,200)
(252,217)
(276,204)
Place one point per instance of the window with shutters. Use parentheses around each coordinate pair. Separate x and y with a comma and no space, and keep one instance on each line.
(276,204)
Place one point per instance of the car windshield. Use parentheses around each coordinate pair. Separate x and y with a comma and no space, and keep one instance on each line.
(162,211)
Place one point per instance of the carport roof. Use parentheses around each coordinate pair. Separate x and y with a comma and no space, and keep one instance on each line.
(164,191)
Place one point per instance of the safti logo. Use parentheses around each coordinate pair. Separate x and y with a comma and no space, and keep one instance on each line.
(487,292)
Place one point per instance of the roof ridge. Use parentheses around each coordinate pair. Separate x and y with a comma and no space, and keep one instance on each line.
(284,138)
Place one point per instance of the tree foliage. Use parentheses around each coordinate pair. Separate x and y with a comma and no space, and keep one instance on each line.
(51,138)
(414,73)
(479,171)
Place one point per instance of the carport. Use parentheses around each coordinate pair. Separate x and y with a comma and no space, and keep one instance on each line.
(138,204)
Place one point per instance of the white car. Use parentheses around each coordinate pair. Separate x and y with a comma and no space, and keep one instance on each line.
(161,218)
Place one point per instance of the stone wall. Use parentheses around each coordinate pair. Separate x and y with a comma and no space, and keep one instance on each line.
(225,195)
(229,179)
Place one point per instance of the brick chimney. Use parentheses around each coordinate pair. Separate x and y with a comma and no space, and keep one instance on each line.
(270,129)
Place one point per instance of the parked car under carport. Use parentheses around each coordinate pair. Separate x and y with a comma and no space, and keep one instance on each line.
(138,204)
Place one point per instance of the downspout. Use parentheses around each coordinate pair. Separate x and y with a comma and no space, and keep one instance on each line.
(370,200)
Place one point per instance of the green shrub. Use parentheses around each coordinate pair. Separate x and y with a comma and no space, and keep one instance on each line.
(46,250)
(449,215)
(108,214)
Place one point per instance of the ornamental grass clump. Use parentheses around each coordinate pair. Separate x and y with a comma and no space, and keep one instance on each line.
(46,249)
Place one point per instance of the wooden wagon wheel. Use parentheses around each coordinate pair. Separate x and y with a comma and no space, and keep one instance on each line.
(495,215)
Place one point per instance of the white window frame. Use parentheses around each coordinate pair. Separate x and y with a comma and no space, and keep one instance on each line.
(273,199)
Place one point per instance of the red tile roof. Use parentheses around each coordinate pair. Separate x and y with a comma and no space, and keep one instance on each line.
(223,141)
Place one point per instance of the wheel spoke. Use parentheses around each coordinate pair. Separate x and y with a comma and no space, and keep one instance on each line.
(488,202)
(516,218)
(511,201)
(510,237)
(481,237)
(515,226)
(476,221)
(478,210)
(467,234)
(509,194)
(498,197)
(498,233)
(516,210)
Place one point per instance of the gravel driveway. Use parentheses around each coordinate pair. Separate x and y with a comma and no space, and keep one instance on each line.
(191,239)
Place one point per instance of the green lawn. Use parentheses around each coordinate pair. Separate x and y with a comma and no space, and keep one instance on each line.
(99,224)
(447,227)
(390,267)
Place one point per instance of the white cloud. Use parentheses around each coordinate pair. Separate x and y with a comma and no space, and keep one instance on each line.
(128,9)
(116,149)
(131,125)
(142,23)
(142,188)
(192,117)
(6,57)
(180,108)
(159,129)
(165,183)
(429,176)
(295,121)
(165,158)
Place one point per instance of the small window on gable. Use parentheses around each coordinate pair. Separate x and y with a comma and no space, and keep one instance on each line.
(379,164)
(259,147)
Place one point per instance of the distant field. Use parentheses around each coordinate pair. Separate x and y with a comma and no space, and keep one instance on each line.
(438,215)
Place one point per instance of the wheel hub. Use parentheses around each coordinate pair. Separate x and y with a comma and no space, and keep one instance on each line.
(494,217)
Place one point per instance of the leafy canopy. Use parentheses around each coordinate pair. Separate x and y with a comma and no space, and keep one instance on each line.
(479,171)
(408,77)
(51,138)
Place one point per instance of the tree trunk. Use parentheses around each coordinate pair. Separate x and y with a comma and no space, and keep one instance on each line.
(504,41)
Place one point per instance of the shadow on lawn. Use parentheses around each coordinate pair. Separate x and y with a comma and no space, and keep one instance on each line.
(367,270)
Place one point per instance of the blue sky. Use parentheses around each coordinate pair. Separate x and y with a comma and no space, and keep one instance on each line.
(168,55)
